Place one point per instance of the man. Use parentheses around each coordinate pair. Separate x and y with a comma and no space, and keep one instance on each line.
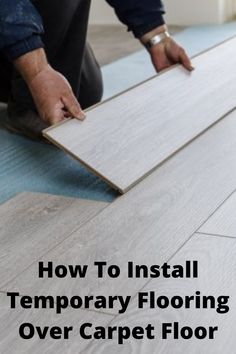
(47,70)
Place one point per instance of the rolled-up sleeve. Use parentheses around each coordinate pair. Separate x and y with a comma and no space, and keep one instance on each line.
(140,16)
(20,28)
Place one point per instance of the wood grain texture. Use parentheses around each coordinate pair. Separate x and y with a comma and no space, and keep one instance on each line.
(215,278)
(33,223)
(148,224)
(11,319)
(125,138)
(223,221)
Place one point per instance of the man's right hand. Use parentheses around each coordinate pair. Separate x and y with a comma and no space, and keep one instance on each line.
(50,90)
(53,97)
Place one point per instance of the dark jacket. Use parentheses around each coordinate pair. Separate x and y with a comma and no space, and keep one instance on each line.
(21,25)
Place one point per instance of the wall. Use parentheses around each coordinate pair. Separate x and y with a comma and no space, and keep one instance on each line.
(179,12)
(192,12)
(102,13)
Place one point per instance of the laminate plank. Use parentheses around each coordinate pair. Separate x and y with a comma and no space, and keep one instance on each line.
(11,319)
(148,224)
(125,138)
(32,223)
(216,278)
(223,221)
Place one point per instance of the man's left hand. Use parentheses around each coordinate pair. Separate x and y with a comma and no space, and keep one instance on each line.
(167,53)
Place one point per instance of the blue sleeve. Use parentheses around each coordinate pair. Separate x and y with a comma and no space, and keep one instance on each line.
(20,28)
(141,16)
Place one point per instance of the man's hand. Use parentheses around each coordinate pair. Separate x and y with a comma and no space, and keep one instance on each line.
(167,52)
(51,91)
(53,97)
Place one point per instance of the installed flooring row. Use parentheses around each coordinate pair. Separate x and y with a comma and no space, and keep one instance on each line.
(157,220)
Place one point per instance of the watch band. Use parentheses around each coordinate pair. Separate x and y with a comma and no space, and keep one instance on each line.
(156,39)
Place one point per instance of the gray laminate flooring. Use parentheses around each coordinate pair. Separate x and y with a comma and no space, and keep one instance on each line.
(174,215)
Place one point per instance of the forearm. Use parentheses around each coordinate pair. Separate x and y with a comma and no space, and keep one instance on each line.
(31,64)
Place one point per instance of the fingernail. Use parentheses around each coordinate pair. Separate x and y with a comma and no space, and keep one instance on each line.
(81,115)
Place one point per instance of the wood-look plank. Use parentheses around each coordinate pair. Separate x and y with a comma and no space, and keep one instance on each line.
(33,223)
(11,319)
(149,223)
(223,221)
(125,138)
(216,278)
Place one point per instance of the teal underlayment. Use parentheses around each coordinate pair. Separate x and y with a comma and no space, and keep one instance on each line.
(31,166)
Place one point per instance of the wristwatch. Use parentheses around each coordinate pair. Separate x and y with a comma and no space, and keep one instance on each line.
(156,39)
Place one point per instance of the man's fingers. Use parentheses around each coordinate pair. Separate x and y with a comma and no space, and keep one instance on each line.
(73,106)
(163,66)
(159,58)
(55,117)
(185,61)
(161,62)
